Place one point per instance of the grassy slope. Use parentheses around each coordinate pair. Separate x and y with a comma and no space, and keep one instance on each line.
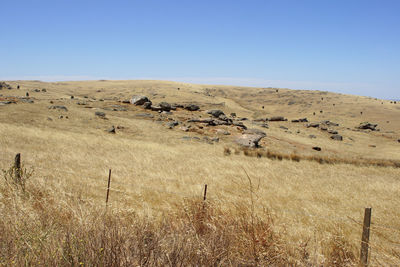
(154,170)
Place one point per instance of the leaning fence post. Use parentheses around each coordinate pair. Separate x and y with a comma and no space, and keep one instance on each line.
(108,186)
(17,167)
(365,238)
(205,192)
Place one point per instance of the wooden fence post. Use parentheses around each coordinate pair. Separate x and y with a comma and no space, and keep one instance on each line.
(17,167)
(205,193)
(365,238)
(108,186)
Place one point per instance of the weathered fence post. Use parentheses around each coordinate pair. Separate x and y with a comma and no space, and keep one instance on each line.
(17,167)
(108,186)
(365,237)
(205,193)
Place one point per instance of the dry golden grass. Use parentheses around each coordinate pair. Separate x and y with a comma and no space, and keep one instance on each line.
(284,213)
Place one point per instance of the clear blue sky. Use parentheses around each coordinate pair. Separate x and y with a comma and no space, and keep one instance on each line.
(350,46)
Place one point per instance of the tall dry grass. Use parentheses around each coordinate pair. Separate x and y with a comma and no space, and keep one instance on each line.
(40,228)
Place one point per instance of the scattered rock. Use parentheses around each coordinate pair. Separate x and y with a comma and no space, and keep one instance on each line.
(283,127)
(155,108)
(171,125)
(313,125)
(147,105)
(4,85)
(249,140)
(264,125)
(317,148)
(329,123)
(165,106)
(58,107)
(126,101)
(100,114)
(111,130)
(49,119)
(192,107)
(144,115)
(323,128)
(61,116)
(43,90)
(300,120)
(254,131)
(367,126)
(184,128)
(27,94)
(312,136)
(118,108)
(337,137)
(81,103)
(332,131)
(233,115)
(277,118)
(139,100)
(215,112)
(37,90)
(223,132)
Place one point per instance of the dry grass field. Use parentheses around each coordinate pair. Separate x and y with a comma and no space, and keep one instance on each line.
(259,211)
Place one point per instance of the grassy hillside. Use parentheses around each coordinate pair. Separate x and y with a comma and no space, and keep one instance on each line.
(258,211)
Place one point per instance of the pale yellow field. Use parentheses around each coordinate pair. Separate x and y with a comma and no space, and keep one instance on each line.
(154,170)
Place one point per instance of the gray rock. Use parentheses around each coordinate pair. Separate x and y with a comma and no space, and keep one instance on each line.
(337,137)
(215,112)
(215,139)
(184,128)
(144,115)
(139,100)
(192,107)
(111,130)
(313,125)
(300,120)
(64,108)
(155,108)
(172,124)
(239,124)
(233,115)
(277,118)
(249,140)
(100,114)
(312,136)
(283,127)
(118,108)
(147,105)
(332,131)
(165,106)
(367,126)
(254,131)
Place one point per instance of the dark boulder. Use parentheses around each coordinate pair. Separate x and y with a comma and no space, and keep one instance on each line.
(139,100)
(337,137)
(100,114)
(165,106)
(277,118)
(313,125)
(317,148)
(64,108)
(367,126)
(111,130)
(215,112)
(192,107)
(147,105)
